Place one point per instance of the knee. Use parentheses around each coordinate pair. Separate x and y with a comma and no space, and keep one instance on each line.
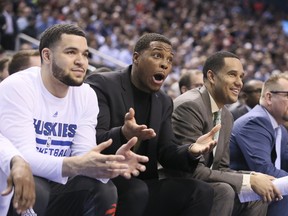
(224,191)
(204,190)
(137,190)
(107,191)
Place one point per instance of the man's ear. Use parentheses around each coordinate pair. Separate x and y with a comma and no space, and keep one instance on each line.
(183,89)
(46,54)
(268,98)
(211,76)
(135,57)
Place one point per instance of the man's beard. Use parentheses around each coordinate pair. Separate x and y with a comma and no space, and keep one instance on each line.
(59,74)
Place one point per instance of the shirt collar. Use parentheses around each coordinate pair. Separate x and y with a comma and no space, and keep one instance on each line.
(214,107)
(272,120)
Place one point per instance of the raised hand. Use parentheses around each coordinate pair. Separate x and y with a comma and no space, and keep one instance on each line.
(132,129)
(131,159)
(204,143)
(24,188)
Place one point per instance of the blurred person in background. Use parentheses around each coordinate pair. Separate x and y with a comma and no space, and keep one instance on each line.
(24,59)
(250,97)
(190,79)
(4,62)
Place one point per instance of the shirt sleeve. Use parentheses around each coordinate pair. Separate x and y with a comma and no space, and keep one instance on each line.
(16,123)
(7,152)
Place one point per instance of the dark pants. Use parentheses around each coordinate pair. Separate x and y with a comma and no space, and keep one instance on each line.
(278,208)
(169,197)
(80,196)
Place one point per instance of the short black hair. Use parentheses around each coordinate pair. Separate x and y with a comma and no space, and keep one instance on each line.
(144,41)
(216,62)
(53,34)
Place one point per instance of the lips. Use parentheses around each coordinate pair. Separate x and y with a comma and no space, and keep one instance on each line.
(79,70)
(159,78)
(236,91)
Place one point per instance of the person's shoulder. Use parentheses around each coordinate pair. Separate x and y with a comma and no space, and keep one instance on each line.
(23,78)
(94,78)
(188,97)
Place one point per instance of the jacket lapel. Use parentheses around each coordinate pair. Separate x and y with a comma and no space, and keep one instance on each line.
(127,92)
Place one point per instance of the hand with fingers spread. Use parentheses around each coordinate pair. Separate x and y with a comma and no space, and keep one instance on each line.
(94,164)
(131,128)
(21,179)
(263,186)
(131,159)
(204,143)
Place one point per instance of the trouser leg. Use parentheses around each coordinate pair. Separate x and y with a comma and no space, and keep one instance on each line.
(255,208)
(181,197)
(278,208)
(223,200)
(42,195)
(132,196)
(82,196)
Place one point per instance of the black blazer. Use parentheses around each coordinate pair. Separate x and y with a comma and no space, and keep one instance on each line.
(115,97)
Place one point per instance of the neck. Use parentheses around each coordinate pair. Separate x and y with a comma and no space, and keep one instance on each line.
(53,85)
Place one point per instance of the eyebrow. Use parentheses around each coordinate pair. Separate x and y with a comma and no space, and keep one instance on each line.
(277,92)
(76,49)
(161,49)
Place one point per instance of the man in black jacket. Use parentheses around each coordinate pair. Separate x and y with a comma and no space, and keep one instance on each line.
(132,104)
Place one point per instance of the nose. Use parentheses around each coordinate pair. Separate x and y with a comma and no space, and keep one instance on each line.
(239,81)
(164,64)
(80,60)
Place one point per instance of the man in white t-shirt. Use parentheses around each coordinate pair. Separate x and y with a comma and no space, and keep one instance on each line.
(49,115)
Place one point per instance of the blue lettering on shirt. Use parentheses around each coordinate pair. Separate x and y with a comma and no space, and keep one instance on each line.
(55,129)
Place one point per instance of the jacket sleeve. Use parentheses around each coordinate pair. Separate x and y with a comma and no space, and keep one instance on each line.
(171,154)
(256,141)
(103,128)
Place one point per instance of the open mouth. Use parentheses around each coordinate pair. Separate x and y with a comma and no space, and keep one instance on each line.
(159,77)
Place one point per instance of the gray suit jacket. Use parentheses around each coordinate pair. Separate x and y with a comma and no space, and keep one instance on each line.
(191,118)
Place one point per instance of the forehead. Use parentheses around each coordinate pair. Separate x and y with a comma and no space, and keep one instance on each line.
(283,83)
(161,46)
(233,64)
(73,41)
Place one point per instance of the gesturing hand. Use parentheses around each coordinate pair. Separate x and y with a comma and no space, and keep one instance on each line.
(94,164)
(132,129)
(24,188)
(204,143)
(131,159)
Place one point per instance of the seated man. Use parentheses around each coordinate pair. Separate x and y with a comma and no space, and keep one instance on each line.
(132,104)
(15,173)
(259,140)
(195,113)
(50,117)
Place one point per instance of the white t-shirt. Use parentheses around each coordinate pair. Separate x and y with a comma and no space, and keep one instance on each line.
(43,127)
(7,152)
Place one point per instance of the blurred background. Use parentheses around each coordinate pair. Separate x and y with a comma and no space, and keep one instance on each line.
(256,30)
